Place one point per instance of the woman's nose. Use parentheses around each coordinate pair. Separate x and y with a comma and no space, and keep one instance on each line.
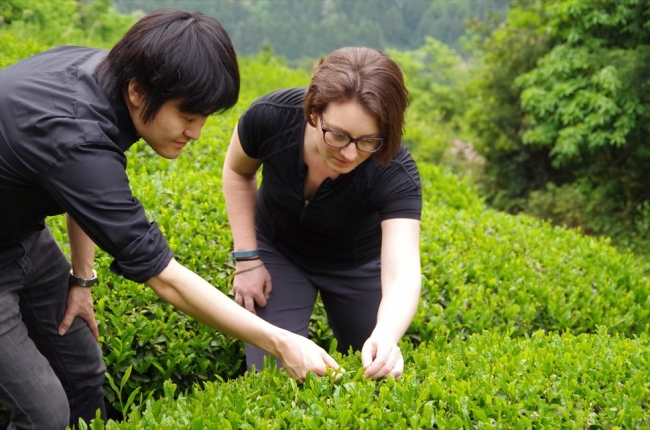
(350,151)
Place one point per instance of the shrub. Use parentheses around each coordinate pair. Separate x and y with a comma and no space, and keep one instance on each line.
(482,270)
(486,270)
(485,381)
(477,353)
(13,49)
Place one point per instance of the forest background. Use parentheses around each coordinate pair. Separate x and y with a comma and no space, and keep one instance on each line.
(543,105)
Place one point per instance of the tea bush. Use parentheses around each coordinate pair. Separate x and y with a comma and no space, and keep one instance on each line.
(482,271)
(487,380)
(13,48)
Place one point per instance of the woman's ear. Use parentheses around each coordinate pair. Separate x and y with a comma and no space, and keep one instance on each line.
(313,116)
(135,94)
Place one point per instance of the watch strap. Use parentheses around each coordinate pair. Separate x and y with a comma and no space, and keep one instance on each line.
(75,280)
(245,255)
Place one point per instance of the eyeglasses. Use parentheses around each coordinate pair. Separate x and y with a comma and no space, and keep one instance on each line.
(338,139)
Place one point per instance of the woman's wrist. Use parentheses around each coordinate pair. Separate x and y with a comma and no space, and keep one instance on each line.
(253,254)
(249,268)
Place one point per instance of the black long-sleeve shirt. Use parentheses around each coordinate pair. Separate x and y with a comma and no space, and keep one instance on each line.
(62,144)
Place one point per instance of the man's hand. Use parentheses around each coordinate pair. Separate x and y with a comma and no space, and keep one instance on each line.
(301,355)
(80,303)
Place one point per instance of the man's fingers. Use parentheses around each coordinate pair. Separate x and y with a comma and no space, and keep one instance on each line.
(92,324)
(65,324)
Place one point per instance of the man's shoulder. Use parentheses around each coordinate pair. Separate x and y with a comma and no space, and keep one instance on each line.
(60,55)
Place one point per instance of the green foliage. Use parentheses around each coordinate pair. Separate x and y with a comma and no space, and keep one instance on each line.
(581,100)
(61,22)
(487,270)
(485,381)
(482,270)
(562,108)
(432,73)
(520,325)
(12,49)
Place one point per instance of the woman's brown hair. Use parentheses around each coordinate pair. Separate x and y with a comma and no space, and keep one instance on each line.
(368,77)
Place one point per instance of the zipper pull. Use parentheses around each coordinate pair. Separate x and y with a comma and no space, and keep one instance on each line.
(304,210)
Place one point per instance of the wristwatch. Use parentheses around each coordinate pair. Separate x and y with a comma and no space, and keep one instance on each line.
(75,280)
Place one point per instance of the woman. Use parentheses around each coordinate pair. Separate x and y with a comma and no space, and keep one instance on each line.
(337,211)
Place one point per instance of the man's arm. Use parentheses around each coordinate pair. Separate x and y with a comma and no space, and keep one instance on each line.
(80,302)
(82,250)
(194,296)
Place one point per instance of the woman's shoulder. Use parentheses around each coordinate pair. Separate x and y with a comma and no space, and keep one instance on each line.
(402,168)
(281,107)
(270,116)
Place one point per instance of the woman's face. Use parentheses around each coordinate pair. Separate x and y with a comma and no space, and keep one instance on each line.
(351,119)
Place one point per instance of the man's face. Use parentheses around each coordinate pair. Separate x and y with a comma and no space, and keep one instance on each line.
(170,130)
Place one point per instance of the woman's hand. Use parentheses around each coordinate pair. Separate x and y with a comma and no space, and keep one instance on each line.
(381,359)
(251,284)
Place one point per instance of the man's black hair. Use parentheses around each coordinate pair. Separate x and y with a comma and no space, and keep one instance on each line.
(174,55)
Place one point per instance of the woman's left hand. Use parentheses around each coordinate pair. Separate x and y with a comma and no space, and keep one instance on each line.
(381,358)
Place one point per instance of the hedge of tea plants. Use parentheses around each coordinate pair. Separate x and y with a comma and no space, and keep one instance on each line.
(520,325)
(487,380)
(500,293)
(512,290)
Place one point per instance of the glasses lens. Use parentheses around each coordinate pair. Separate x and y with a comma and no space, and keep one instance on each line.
(336,139)
(369,145)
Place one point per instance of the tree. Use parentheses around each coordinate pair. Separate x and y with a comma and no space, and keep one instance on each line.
(84,22)
(565,85)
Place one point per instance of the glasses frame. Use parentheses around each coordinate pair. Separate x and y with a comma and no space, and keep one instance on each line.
(350,138)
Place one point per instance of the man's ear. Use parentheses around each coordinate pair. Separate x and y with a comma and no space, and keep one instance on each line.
(135,94)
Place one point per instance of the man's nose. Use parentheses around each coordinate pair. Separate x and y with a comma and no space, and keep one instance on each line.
(193,131)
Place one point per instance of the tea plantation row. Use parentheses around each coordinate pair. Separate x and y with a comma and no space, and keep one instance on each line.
(520,325)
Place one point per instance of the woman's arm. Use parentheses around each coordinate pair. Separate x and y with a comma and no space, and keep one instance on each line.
(400,285)
(240,191)
(80,302)
(194,296)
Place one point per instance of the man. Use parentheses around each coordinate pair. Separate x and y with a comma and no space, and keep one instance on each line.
(66,118)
